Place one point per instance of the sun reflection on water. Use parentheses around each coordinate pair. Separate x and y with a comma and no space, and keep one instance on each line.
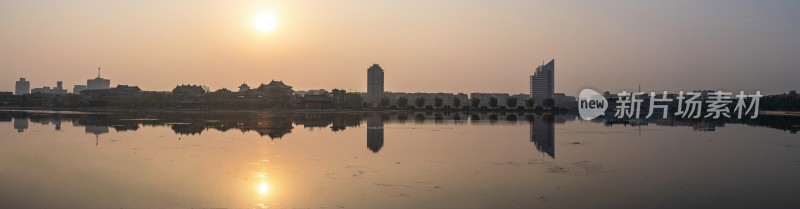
(262,189)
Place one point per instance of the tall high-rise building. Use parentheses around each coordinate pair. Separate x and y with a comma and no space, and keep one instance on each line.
(543,82)
(374,83)
(98,83)
(22,87)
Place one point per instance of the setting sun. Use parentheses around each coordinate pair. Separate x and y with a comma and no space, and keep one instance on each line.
(265,22)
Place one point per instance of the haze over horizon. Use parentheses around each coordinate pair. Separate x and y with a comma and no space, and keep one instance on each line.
(471,46)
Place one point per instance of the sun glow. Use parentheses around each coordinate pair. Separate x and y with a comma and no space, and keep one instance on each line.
(263,188)
(265,22)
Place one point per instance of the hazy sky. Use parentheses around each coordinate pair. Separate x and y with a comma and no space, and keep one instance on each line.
(429,46)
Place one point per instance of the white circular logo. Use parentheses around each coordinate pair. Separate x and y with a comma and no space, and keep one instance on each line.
(591,104)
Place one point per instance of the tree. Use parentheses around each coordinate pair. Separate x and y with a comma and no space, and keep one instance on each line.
(437,102)
(280,98)
(338,96)
(402,102)
(475,102)
(420,102)
(384,102)
(456,102)
(511,102)
(549,102)
(529,103)
(353,100)
(493,102)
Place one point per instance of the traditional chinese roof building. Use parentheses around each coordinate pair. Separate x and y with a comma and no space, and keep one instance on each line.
(116,96)
(274,85)
(244,88)
(315,102)
(188,90)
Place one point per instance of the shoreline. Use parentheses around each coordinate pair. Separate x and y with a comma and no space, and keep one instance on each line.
(780,113)
(119,110)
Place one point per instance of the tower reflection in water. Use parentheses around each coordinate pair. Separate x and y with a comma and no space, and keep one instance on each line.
(20,123)
(374,133)
(543,134)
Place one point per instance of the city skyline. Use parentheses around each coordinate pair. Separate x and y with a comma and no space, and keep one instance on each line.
(399,104)
(429,46)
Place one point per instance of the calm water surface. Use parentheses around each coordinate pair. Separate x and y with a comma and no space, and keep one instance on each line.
(392,160)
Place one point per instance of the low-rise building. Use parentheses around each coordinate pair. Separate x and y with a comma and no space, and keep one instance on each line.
(59,89)
(42,90)
(485,97)
(78,88)
(521,98)
(122,95)
(309,101)
(564,101)
(6,98)
(429,98)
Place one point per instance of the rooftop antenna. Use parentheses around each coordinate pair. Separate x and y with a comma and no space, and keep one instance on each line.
(98,71)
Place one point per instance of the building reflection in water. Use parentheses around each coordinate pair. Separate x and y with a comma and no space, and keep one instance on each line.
(96,131)
(543,134)
(6,118)
(374,133)
(276,125)
(20,123)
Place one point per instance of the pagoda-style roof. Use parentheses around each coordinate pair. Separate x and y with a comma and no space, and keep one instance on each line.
(280,84)
(188,89)
(223,91)
(126,88)
(272,85)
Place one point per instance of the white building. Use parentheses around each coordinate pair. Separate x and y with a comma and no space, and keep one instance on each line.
(374,83)
(22,87)
(98,83)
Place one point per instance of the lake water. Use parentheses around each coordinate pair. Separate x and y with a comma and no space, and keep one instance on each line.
(392,160)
